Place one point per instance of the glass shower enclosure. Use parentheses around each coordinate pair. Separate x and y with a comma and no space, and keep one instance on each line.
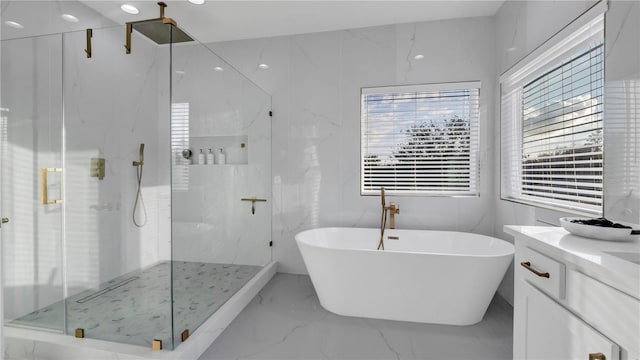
(104,238)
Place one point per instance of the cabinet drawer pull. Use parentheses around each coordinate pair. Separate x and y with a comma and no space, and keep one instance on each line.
(597,356)
(527,265)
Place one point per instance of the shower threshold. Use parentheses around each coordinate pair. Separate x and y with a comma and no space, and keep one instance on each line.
(135,308)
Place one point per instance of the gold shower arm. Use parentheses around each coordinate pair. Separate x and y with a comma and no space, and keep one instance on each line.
(44,186)
(127,45)
(89,36)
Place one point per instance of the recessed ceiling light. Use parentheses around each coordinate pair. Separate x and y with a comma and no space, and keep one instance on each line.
(197,2)
(70,18)
(14,24)
(511,49)
(263,66)
(180,72)
(218,68)
(419,57)
(129,9)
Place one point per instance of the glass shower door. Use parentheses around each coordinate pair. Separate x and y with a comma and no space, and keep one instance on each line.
(221,208)
(31,195)
(118,274)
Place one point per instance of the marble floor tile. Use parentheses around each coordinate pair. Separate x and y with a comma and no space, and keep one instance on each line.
(286,321)
(135,308)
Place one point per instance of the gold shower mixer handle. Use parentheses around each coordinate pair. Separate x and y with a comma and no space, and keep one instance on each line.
(44,199)
(253,200)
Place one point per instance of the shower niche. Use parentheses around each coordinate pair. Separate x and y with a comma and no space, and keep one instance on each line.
(80,267)
(235,149)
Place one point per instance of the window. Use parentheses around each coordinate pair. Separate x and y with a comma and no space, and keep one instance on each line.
(552,112)
(179,142)
(420,139)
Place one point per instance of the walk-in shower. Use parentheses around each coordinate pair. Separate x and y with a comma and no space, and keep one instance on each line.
(80,265)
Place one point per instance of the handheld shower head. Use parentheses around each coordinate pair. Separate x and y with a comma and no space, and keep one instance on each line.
(141,161)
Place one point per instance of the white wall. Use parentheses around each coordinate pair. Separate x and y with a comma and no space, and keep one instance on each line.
(210,222)
(315,81)
(112,106)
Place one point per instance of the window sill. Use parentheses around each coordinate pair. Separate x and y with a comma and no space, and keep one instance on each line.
(568,211)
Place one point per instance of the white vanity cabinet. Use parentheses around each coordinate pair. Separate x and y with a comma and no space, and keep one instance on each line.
(546,330)
(574,298)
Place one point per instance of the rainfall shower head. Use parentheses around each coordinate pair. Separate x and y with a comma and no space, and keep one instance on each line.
(162,30)
(158,31)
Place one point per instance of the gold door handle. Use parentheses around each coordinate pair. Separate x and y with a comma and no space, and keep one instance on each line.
(527,265)
(44,199)
(253,200)
(5,220)
(597,356)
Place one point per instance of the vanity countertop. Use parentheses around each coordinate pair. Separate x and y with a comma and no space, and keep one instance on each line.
(614,262)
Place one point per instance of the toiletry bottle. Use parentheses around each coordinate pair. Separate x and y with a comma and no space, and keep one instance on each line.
(221,158)
(210,157)
(201,158)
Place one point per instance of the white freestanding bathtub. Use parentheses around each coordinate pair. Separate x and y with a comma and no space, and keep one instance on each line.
(439,277)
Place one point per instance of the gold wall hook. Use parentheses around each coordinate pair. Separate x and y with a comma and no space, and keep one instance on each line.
(253,200)
(5,220)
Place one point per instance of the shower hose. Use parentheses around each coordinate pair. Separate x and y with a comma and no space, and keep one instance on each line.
(139,199)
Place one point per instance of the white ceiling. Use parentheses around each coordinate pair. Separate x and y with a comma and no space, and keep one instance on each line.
(240,19)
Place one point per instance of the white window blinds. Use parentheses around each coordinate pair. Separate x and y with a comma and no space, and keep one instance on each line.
(552,112)
(179,142)
(420,139)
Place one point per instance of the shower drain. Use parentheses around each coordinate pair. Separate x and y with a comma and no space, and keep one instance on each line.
(107,289)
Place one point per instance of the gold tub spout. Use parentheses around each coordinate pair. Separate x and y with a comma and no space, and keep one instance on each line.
(393,209)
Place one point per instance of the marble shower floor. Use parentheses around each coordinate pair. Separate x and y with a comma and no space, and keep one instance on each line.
(286,321)
(135,308)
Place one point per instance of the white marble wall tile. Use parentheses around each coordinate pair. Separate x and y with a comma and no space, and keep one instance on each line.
(368,58)
(210,222)
(316,142)
(111,107)
(455,50)
(246,56)
(313,143)
(522,26)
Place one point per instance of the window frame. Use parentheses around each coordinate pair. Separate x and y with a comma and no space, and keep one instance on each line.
(474,138)
(542,60)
